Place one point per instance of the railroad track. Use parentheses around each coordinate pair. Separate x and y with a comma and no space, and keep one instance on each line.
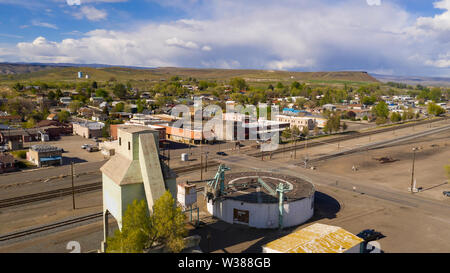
(32,231)
(96,186)
(25,199)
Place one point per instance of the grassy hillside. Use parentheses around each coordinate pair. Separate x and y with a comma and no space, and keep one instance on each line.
(124,74)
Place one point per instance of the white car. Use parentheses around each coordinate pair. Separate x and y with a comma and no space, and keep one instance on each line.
(84,146)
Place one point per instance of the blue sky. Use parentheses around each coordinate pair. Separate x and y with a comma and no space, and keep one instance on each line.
(401,37)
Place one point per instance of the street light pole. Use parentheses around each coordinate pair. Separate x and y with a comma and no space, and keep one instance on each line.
(412,170)
(73,188)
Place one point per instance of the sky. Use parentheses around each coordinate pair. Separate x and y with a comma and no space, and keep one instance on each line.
(392,37)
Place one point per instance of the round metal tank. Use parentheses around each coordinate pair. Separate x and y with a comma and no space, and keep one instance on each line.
(249,203)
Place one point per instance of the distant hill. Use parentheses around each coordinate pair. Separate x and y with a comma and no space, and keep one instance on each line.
(411,80)
(68,72)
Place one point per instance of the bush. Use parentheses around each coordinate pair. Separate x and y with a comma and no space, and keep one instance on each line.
(22,154)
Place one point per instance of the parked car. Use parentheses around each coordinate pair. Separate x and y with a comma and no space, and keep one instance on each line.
(93,149)
(222,153)
(446,193)
(370,235)
(84,146)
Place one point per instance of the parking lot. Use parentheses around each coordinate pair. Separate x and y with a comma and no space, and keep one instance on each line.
(74,152)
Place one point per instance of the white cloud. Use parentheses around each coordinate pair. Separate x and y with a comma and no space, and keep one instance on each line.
(73,2)
(373,2)
(43,24)
(91,13)
(295,35)
(174,41)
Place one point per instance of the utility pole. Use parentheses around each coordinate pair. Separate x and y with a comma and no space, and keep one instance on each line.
(412,170)
(295,148)
(201,161)
(168,155)
(201,167)
(73,188)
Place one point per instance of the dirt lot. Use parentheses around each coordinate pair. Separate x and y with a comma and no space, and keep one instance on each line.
(432,156)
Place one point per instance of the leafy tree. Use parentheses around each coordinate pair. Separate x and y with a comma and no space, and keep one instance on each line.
(18,86)
(136,230)
(381,110)
(295,131)
(434,109)
(119,107)
(305,131)
(120,90)
(168,223)
(369,100)
(75,105)
(63,116)
(239,84)
(395,117)
(435,94)
(94,85)
(141,230)
(287,133)
(101,93)
(51,95)
(59,94)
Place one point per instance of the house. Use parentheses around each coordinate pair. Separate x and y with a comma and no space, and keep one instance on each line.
(329,107)
(88,129)
(65,100)
(86,112)
(96,100)
(317,238)
(52,116)
(45,155)
(7,163)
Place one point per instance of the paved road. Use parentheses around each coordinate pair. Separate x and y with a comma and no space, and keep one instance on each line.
(45,173)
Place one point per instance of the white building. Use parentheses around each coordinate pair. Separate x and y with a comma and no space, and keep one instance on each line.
(300,122)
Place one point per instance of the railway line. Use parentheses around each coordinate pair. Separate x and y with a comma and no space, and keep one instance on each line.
(32,231)
(26,199)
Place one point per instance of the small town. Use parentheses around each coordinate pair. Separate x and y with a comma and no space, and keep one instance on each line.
(170,154)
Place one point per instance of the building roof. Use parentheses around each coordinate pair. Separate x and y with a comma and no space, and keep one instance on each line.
(45,148)
(316,238)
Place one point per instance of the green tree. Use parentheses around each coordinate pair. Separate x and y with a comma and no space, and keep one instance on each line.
(63,116)
(17,86)
(136,230)
(119,107)
(381,110)
(287,133)
(120,90)
(75,105)
(295,131)
(395,117)
(51,95)
(238,84)
(434,109)
(166,225)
